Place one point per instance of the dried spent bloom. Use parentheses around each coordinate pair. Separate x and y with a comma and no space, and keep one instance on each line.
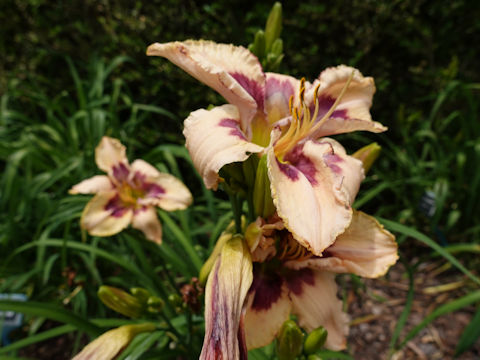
(128,194)
(313,181)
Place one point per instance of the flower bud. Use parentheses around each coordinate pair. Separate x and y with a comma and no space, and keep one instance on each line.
(259,44)
(207,266)
(368,154)
(141,294)
(121,301)
(315,340)
(155,304)
(111,343)
(289,341)
(274,25)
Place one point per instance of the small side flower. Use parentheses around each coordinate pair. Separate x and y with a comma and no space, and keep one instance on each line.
(128,194)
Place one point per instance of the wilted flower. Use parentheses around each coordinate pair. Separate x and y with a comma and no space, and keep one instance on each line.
(128,194)
(313,180)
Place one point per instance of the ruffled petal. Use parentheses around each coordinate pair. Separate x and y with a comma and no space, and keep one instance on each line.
(231,70)
(353,111)
(214,139)
(268,306)
(109,153)
(349,168)
(309,196)
(314,299)
(105,215)
(365,249)
(161,189)
(225,293)
(146,220)
(93,185)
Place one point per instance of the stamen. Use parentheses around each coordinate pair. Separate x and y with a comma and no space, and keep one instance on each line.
(303,123)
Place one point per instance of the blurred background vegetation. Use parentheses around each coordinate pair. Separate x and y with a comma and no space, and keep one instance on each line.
(73,71)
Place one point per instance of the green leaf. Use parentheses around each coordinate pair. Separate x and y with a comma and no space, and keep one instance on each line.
(32,339)
(396,227)
(469,335)
(53,312)
(442,310)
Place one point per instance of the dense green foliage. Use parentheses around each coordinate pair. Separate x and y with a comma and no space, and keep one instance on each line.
(74,71)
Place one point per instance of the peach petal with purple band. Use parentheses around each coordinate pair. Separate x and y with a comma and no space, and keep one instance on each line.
(306,179)
(104,215)
(232,71)
(145,219)
(213,141)
(365,249)
(270,317)
(92,185)
(108,153)
(316,304)
(353,111)
(349,168)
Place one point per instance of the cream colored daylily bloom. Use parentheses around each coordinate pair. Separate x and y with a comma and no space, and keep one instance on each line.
(313,180)
(128,194)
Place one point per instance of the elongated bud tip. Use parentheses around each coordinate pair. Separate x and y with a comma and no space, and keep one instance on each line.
(368,154)
(315,340)
(289,341)
(273,27)
(121,301)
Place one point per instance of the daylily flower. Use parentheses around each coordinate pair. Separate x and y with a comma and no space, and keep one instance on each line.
(313,181)
(128,194)
(289,279)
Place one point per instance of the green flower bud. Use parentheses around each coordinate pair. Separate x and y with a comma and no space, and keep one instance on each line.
(141,294)
(274,25)
(121,301)
(314,357)
(262,196)
(155,304)
(289,341)
(259,44)
(277,47)
(315,340)
(368,154)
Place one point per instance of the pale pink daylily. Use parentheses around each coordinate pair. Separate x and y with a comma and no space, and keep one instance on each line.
(313,181)
(289,279)
(128,194)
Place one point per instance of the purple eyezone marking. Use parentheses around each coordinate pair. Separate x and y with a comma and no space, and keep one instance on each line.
(255,90)
(234,125)
(275,86)
(121,172)
(116,207)
(153,190)
(300,162)
(325,102)
(288,170)
(332,160)
(296,279)
(268,289)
